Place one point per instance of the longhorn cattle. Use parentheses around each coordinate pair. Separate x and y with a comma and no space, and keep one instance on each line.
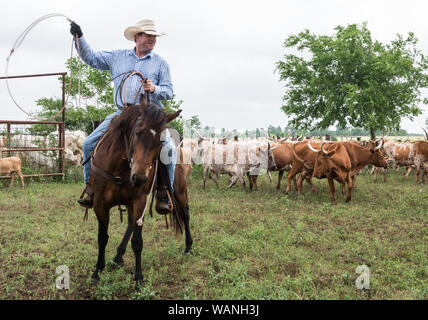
(342,161)
(281,160)
(234,158)
(407,154)
(303,162)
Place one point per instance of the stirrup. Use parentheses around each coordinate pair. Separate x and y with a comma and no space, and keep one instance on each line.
(86,202)
(163,202)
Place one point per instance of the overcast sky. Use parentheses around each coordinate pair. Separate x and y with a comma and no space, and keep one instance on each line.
(221,53)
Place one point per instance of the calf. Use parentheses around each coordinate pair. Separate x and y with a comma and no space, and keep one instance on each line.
(11,166)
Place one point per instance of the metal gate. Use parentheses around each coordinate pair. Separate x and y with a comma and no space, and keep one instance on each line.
(60,148)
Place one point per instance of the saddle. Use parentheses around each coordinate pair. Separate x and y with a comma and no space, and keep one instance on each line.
(161,188)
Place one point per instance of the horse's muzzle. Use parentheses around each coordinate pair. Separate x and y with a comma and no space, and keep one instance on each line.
(138,181)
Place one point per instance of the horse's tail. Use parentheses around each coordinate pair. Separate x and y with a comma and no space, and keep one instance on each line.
(176,217)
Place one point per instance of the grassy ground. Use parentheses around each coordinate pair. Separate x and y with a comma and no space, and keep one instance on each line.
(260,245)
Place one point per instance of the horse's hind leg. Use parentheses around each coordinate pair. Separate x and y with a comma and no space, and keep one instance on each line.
(186,219)
(103,221)
(122,247)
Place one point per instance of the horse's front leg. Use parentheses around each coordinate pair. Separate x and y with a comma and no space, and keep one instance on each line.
(136,210)
(103,221)
(122,247)
(137,247)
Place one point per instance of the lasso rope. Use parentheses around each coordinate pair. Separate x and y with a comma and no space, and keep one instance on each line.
(16,45)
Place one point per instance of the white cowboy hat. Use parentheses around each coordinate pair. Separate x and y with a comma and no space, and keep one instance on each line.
(146,26)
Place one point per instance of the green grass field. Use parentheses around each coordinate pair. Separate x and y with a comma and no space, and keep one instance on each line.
(256,245)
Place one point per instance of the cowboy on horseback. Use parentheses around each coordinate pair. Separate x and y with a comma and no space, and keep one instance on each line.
(158,85)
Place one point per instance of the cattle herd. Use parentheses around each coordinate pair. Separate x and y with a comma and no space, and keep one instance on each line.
(302,160)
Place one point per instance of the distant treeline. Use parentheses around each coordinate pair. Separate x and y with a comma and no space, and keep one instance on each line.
(282,132)
(346,132)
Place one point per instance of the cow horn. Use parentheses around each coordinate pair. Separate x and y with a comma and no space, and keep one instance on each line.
(380,145)
(312,148)
(387,134)
(198,133)
(269,138)
(322,148)
(426,133)
(300,160)
(274,147)
(289,134)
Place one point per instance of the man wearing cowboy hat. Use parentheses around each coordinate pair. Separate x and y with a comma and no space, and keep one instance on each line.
(141,58)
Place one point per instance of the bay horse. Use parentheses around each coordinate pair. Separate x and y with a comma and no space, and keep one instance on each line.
(126,154)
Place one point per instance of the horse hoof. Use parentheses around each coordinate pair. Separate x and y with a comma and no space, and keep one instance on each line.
(119,262)
(139,285)
(95,278)
(187,250)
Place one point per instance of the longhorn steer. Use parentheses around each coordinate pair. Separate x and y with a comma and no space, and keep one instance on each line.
(343,160)
(407,154)
(303,163)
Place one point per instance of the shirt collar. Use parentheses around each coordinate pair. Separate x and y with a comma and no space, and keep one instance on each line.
(132,52)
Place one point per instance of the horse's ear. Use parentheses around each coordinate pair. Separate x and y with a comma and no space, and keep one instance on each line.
(172,116)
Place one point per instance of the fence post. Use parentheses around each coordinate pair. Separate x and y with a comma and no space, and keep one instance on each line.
(8,139)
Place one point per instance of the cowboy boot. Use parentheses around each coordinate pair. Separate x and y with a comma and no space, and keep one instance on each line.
(163,204)
(86,202)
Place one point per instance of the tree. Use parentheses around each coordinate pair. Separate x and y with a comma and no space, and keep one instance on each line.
(349,79)
(195,122)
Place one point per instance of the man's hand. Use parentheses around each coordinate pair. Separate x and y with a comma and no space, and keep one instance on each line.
(148,86)
(75,30)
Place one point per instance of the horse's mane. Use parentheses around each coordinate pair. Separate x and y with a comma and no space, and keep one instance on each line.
(152,117)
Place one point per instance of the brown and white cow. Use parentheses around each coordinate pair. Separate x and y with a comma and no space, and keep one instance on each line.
(407,154)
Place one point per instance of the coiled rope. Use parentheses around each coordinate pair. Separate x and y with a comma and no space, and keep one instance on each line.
(122,86)
(17,44)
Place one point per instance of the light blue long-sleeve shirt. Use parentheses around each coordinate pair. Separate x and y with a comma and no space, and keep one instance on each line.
(152,66)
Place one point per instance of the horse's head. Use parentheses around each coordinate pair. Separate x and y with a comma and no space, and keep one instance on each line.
(146,141)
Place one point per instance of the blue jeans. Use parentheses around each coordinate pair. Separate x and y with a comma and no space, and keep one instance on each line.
(92,140)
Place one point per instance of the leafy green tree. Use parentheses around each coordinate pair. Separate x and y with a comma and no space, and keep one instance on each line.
(350,79)
(195,122)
